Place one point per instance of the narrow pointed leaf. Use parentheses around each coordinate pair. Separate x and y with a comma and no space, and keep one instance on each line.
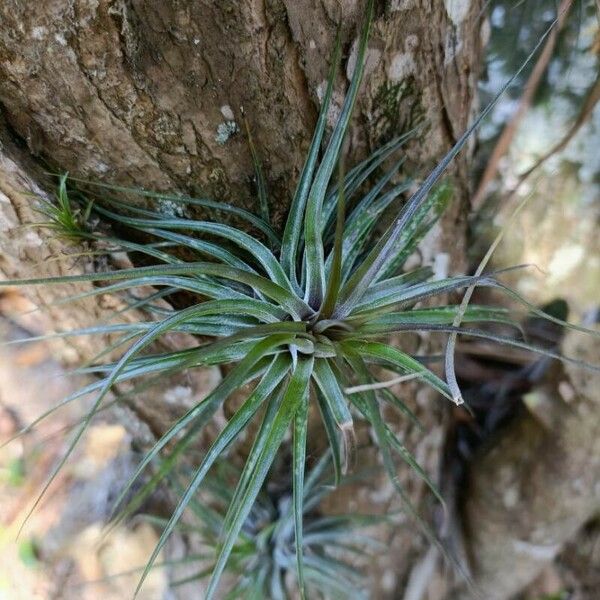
(416,229)
(335,271)
(293,227)
(235,379)
(294,394)
(332,433)
(242,416)
(356,286)
(313,219)
(389,354)
(181,199)
(245,241)
(274,291)
(298,461)
(338,406)
(360,173)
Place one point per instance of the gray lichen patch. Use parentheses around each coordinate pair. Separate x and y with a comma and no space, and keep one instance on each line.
(398,5)
(457,10)
(227,112)
(170,208)
(225,130)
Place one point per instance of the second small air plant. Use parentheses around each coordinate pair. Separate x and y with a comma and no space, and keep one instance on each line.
(263,558)
(305,315)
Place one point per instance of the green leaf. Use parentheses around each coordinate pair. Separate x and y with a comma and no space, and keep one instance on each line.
(293,226)
(542,314)
(241,506)
(69,223)
(211,326)
(298,461)
(282,296)
(360,228)
(181,199)
(258,445)
(442,315)
(395,292)
(389,354)
(360,173)
(120,245)
(335,271)
(415,230)
(500,339)
(313,218)
(338,406)
(245,241)
(331,431)
(392,399)
(200,285)
(201,246)
(367,404)
(221,316)
(264,389)
(370,268)
(205,409)
(411,461)
(108,382)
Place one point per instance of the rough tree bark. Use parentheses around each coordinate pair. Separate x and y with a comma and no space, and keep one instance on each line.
(530,492)
(150,93)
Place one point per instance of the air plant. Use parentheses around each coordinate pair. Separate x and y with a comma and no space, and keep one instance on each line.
(66,221)
(263,558)
(306,316)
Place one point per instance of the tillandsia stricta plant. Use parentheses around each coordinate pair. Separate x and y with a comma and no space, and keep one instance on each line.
(305,315)
(263,557)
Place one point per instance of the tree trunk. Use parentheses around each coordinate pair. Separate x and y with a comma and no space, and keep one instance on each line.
(530,492)
(150,93)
